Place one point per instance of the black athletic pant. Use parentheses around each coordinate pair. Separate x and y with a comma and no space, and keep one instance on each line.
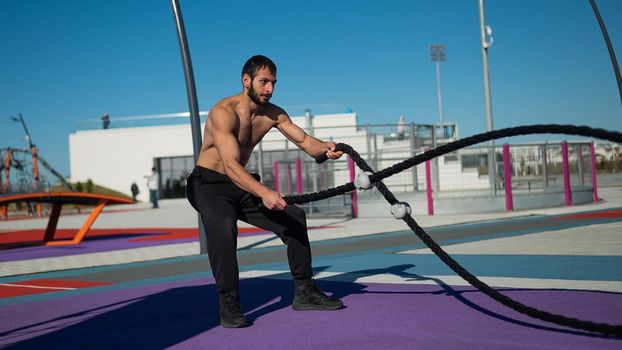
(221,203)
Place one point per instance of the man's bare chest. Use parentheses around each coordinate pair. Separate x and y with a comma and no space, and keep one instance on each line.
(252,131)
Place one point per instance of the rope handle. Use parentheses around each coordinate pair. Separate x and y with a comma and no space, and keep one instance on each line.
(338,147)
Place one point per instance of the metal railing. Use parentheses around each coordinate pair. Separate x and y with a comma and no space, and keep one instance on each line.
(137,121)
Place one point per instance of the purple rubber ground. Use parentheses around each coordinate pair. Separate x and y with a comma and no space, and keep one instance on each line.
(183,315)
(90,245)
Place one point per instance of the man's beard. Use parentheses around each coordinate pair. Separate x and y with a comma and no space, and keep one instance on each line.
(255,97)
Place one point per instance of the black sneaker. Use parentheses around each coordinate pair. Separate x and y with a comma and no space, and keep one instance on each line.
(308,296)
(231,315)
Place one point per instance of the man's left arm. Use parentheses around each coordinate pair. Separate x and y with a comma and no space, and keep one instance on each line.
(304,141)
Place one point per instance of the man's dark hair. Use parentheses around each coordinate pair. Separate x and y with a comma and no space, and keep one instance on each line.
(256,63)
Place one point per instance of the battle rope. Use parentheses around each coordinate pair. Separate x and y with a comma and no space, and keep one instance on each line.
(376,177)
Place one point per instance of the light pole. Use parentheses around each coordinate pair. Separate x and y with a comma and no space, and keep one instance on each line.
(612,54)
(193,105)
(486,40)
(437,54)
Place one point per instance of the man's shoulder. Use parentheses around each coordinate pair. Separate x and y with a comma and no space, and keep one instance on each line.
(224,107)
(275,112)
(278,109)
(227,102)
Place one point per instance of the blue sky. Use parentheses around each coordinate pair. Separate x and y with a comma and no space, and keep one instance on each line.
(67,60)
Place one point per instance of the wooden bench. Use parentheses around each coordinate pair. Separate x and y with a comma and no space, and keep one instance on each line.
(57,199)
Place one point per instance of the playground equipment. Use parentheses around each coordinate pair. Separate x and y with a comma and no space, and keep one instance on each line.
(25,164)
(57,199)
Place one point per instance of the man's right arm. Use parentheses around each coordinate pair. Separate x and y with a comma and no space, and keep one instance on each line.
(224,124)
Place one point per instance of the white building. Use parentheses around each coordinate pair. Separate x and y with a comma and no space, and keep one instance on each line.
(124,153)
(116,157)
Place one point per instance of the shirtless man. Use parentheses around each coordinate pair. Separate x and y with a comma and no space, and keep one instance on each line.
(223,191)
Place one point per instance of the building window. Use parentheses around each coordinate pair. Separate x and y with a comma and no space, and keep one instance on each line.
(173,174)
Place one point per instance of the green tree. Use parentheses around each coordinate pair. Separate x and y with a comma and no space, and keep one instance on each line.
(89,186)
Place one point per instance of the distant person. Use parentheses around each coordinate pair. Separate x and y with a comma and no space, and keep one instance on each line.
(105,121)
(135,191)
(401,128)
(223,191)
(152,184)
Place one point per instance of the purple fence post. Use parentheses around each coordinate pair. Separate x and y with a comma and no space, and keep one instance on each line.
(276,176)
(428,185)
(594,182)
(567,192)
(580,166)
(355,207)
(298,175)
(507,169)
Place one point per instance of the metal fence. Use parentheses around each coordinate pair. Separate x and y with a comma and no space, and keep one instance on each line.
(274,159)
(465,172)
(540,167)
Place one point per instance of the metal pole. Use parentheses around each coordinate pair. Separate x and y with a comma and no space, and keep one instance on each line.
(612,54)
(440,98)
(277,177)
(33,151)
(21,120)
(484,31)
(580,166)
(261,160)
(545,167)
(593,164)
(195,122)
(316,167)
(6,187)
(298,175)
(7,173)
(566,169)
(413,152)
(35,172)
(437,54)
(368,139)
(436,183)
(355,208)
(507,169)
(428,185)
(376,153)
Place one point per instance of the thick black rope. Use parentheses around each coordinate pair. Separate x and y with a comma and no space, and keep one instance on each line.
(603,328)
(448,148)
